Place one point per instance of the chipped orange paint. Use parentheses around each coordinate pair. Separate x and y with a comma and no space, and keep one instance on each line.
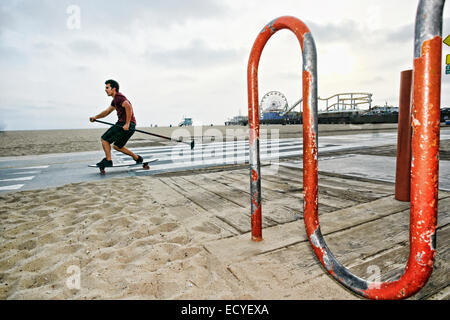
(254,175)
(310,175)
(256,221)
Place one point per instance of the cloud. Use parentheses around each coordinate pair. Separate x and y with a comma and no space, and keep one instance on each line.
(44,16)
(87,47)
(51,17)
(45,45)
(373,80)
(10,54)
(401,34)
(180,11)
(405,33)
(349,29)
(6,20)
(195,55)
(335,32)
(117,16)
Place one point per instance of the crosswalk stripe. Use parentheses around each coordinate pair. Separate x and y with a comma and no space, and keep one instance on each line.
(11,187)
(18,179)
(215,144)
(36,167)
(24,172)
(218,152)
(215,161)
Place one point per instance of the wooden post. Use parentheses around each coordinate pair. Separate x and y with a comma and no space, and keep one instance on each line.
(403,166)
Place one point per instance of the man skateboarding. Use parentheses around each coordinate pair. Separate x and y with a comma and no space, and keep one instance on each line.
(121,132)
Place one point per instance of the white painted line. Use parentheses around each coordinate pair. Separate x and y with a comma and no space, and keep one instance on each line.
(327,143)
(37,167)
(25,172)
(213,161)
(18,179)
(213,145)
(218,152)
(13,187)
(240,155)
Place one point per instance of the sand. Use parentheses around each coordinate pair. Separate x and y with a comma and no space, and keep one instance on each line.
(125,245)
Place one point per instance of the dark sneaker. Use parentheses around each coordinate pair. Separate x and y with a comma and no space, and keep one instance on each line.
(105,163)
(139,159)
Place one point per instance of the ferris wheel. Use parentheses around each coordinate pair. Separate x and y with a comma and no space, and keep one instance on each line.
(273,101)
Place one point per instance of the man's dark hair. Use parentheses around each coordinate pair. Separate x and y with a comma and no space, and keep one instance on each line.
(113,84)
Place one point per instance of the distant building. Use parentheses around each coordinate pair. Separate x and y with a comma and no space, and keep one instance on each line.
(382,110)
(237,121)
(187,122)
(445,115)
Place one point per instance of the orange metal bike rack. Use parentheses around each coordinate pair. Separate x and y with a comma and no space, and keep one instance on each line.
(310,123)
(425,151)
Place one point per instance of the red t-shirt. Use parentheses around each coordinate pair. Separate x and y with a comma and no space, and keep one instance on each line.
(117,102)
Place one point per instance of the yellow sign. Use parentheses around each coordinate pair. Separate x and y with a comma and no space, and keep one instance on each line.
(447,40)
(447,60)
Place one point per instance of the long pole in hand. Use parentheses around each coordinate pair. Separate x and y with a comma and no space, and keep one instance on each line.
(152,134)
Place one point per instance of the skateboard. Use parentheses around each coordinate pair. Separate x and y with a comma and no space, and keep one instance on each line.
(144,165)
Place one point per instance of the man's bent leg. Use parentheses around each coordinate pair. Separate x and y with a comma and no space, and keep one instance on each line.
(126,151)
(107,148)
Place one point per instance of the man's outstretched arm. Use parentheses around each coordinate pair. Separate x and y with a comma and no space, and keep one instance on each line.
(103,114)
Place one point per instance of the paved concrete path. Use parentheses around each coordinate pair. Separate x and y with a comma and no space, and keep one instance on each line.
(52,170)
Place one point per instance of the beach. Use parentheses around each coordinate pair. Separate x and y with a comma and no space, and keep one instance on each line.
(19,143)
(186,235)
(125,244)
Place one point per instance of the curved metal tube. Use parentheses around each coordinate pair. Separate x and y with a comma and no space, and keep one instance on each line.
(310,122)
(424,173)
(425,149)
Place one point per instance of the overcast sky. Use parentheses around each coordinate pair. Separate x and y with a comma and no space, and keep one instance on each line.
(176,58)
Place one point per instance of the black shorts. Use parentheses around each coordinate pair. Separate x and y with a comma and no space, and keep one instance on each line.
(117,135)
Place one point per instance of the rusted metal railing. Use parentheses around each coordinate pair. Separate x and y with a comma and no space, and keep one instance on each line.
(425,150)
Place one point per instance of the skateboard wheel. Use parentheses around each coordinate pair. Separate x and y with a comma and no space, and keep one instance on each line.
(146,166)
(102,171)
